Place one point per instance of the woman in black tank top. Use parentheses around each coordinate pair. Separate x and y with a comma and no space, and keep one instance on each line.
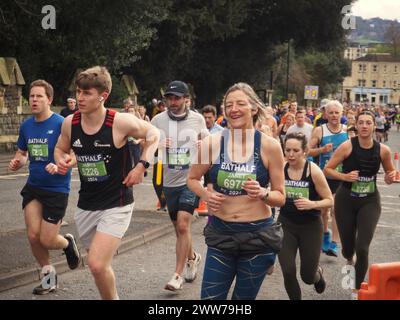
(357,201)
(307,192)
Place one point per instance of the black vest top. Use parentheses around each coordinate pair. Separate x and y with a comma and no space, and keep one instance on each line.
(304,188)
(367,162)
(102,167)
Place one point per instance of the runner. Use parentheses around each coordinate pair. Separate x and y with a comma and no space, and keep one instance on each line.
(307,191)
(99,139)
(242,237)
(45,196)
(324,141)
(181,128)
(357,201)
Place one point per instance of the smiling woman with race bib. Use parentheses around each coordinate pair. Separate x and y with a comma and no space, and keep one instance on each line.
(242,237)
(357,201)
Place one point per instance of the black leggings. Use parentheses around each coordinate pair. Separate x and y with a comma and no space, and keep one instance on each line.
(356,219)
(159,188)
(307,239)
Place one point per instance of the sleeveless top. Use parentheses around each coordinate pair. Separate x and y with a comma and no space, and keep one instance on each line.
(295,189)
(367,162)
(102,166)
(227,176)
(330,137)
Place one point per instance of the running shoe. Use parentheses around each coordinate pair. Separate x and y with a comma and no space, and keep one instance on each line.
(71,252)
(320,285)
(332,251)
(191,267)
(175,284)
(47,285)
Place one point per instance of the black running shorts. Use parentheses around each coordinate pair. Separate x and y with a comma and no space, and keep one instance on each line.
(54,203)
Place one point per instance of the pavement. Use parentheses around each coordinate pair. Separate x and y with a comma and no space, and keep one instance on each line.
(18,266)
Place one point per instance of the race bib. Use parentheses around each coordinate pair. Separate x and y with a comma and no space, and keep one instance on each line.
(297,189)
(231,183)
(178,158)
(93,169)
(39,152)
(364,187)
(339,168)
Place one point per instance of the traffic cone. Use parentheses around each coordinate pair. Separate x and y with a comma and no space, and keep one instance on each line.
(202,209)
(384,282)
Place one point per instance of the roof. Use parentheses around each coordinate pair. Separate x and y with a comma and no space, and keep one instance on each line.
(383,57)
(8,68)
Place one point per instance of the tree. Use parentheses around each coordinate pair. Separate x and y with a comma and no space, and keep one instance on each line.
(87,33)
(392,35)
(213,44)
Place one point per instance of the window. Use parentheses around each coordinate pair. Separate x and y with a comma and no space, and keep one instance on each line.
(384,84)
(374,68)
(373,83)
(364,67)
(384,68)
(394,84)
(361,83)
(395,69)
(359,67)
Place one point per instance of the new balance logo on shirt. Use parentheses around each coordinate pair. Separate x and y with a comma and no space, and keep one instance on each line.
(77,144)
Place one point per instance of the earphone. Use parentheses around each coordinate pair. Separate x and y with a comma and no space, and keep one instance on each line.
(101,99)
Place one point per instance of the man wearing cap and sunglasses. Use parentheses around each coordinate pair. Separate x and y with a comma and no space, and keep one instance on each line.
(180,129)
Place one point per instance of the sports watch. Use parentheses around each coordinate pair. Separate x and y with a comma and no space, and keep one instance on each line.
(145,163)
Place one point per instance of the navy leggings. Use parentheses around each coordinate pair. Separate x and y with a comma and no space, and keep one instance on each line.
(221,268)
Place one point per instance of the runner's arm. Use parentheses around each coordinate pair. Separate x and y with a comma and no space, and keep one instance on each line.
(63,155)
(131,126)
(199,169)
(19,160)
(337,158)
(322,187)
(271,150)
(387,163)
(313,149)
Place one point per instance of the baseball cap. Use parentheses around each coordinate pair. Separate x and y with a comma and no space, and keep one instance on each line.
(324,102)
(177,88)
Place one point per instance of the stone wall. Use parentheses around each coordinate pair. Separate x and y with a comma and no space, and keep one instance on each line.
(12,99)
(9,128)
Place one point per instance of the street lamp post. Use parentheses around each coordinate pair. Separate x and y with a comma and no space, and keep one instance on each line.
(287,71)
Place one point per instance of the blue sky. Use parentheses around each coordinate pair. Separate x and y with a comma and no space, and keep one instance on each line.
(385,9)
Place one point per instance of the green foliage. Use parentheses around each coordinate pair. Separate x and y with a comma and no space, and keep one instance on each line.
(210,44)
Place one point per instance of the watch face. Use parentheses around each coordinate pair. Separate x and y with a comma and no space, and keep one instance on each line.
(145,163)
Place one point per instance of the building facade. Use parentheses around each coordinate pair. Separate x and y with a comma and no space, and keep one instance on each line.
(355,51)
(374,78)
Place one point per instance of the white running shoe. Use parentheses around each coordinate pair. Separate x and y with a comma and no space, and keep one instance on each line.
(176,283)
(191,267)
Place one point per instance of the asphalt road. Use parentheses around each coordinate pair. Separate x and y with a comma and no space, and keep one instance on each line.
(143,272)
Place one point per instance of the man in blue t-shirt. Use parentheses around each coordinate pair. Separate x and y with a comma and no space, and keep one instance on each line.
(45,195)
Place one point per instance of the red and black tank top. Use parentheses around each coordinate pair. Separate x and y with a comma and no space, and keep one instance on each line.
(102,166)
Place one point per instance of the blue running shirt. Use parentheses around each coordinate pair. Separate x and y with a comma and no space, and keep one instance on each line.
(330,137)
(40,139)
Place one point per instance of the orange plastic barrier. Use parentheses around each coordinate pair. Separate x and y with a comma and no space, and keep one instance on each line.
(384,282)
(202,209)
